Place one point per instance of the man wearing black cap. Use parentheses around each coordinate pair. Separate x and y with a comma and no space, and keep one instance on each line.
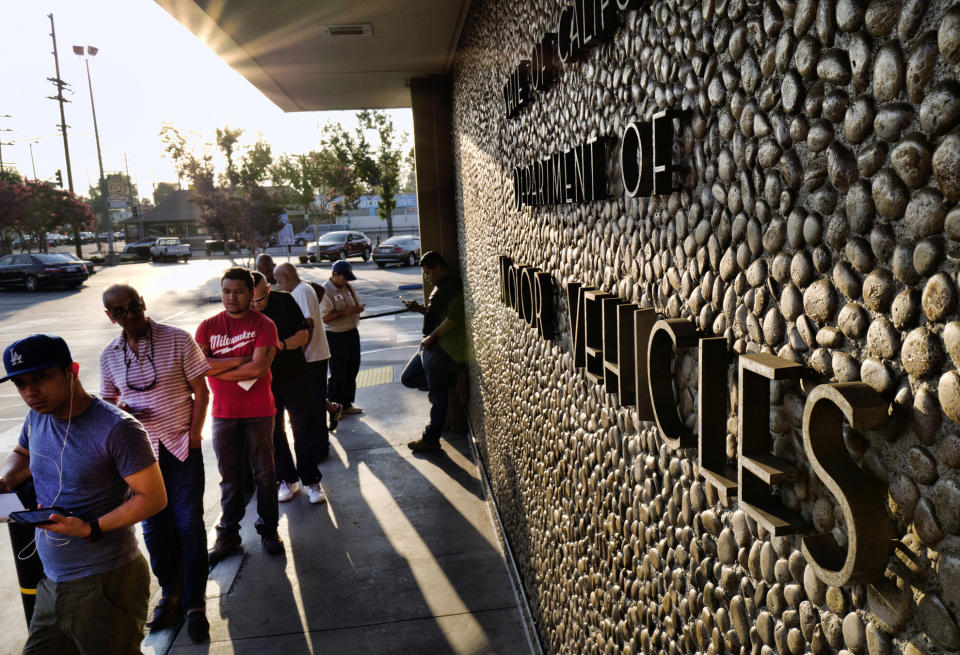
(95,462)
(340,310)
(441,347)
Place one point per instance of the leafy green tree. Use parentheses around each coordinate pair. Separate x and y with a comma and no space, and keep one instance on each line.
(163,191)
(227,142)
(314,181)
(410,173)
(385,176)
(255,163)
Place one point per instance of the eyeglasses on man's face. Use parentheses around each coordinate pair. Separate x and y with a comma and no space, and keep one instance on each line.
(121,311)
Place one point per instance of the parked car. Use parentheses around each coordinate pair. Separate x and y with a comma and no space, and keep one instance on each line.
(87,237)
(87,264)
(216,245)
(402,250)
(35,271)
(169,248)
(313,232)
(340,245)
(141,248)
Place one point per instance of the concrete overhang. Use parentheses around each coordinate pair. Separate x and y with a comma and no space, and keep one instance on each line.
(309,55)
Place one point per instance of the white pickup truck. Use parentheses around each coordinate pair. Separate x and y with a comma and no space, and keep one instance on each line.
(169,248)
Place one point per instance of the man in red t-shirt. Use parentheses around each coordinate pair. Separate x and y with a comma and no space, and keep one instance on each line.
(240,344)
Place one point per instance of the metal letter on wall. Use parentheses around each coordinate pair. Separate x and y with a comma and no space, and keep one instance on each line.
(626,366)
(611,344)
(758,467)
(861,496)
(636,159)
(577,312)
(643,322)
(593,331)
(712,402)
(544,305)
(506,263)
(526,307)
(663,166)
(667,336)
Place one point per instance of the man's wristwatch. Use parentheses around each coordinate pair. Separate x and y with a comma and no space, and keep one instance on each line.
(95,531)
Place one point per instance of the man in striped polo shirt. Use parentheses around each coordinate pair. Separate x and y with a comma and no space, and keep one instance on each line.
(156,372)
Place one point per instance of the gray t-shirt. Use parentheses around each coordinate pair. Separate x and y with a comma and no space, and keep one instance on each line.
(103,446)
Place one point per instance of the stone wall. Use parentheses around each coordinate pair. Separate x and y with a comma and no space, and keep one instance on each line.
(817,220)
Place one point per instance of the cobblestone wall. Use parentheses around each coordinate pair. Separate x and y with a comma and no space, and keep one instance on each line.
(818,221)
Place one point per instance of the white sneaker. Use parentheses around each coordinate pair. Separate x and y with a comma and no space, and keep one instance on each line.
(286,490)
(315,493)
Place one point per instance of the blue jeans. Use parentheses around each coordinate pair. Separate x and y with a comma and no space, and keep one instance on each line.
(431,368)
(344,366)
(175,537)
(294,397)
(232,439)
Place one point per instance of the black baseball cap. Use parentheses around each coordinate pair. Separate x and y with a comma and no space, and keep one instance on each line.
(35,353)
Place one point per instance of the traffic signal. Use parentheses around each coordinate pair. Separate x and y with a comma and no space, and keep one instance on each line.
(59,179)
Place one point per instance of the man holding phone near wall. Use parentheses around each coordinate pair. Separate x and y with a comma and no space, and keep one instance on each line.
(156,372)
(95,462)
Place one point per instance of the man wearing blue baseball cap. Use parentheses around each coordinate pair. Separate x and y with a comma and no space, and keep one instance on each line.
(94,462)
(340,310)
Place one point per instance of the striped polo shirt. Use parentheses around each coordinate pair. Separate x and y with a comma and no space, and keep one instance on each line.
(169,355)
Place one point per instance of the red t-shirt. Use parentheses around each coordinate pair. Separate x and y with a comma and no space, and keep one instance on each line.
(223,336)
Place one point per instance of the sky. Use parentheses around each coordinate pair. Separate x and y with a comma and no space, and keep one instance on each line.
(149,70)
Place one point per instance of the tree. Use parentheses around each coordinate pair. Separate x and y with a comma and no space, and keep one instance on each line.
(227,142)
(256,162)
(14,203)
(232,205)
(385,176)
(410,173)
(314,181)
(163,191)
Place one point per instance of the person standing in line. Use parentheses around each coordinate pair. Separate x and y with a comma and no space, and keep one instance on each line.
(316,352)
(266,267)
(156,372)
(240,345)
(340,309)
(441,347)
(289,372)
(95,462)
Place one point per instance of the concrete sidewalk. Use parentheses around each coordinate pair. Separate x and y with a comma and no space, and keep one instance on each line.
(403,558)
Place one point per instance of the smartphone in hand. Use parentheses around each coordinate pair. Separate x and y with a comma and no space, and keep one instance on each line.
(38,516)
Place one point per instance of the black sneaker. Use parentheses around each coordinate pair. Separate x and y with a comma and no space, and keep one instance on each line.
(167,613)
(223,547)
(272,544)
(424,446)
(197,625)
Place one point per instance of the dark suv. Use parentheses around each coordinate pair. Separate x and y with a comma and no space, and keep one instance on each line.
(340,245)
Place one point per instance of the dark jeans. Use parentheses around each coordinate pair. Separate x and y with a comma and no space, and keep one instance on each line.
(344,366)
(232,437)
(101,613)
(294,397)
(175,537)
(431,368)
(318,394)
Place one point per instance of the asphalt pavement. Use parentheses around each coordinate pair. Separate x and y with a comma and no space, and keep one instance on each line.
(372,472)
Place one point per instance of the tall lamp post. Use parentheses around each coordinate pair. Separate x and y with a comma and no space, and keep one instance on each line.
(92,52)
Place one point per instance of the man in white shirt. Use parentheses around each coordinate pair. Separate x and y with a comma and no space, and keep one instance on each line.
(316,351)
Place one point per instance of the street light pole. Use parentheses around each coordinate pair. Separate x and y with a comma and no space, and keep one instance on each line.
(111,256)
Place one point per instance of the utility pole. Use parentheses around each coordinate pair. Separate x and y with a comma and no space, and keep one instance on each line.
(59,83)
(2,142)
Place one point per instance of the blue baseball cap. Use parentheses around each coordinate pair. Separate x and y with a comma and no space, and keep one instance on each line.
(345,269)
(35,353)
